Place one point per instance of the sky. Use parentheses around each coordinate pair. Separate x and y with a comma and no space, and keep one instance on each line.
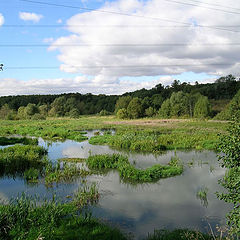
(112,47)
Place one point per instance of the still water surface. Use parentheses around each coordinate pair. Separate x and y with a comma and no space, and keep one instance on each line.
(139,209)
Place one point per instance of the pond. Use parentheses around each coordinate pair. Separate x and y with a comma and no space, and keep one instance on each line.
(139,209)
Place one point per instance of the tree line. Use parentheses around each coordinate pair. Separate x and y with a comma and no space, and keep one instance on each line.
(176,100)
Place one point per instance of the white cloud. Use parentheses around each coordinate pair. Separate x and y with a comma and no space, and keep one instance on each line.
(27,16)
(59,20)
(82,84)
(1,19)
(95,60)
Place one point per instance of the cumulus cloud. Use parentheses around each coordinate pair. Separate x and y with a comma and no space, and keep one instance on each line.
(115,45)
(1,19)
(27,16)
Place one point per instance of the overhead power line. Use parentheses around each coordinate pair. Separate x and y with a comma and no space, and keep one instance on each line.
(109,26)
(214,4)
(118,66)
(121,45)
(200,6)
(123,14)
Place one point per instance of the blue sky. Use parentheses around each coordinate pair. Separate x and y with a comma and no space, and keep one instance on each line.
(86,69)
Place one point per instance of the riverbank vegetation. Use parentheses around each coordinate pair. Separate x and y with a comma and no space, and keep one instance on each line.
(129,173)
(25,218)
(15,160)
(229,152)
(4,141)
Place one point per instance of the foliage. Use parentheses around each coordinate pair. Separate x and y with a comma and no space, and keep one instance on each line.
(232,109)
(165,110)
(31,174)
(17,159)
(229,148)
(10,141)
(129,172)
(24,218)
(179,104)
(104,113)
(149,112)
(157,141)
(122,103)
(62,172)
(202,108)
(85,104)
(7,113)
(86,195)
(122,113)
(135,109)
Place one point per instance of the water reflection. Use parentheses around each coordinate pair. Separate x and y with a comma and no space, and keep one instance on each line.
(169,203)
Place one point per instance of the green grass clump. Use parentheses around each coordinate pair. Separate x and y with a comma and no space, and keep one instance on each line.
(11,141)
(31,174)
(62,172)
(155,141)
(129,172)
(74,160)
(16,159)
(100,139)
(24,218)
(86,195)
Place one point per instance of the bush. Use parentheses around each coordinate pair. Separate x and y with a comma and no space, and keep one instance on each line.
(122,113)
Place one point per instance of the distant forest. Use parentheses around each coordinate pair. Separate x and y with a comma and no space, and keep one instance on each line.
(216,94)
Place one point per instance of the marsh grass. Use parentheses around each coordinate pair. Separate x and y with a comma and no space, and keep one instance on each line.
(184,134)
(202,195)
(73,160)
(4,141)
(63,172)
(25,218)
(157,141)
(31,175)
(17,159)
(86,195)
(129,172)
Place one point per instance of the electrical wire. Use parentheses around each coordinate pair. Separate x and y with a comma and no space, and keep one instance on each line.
(123,14)
(118,66)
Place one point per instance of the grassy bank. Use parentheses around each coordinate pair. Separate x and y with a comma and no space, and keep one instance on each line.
(17,159)
(129,172)
(181,133)
(157,141)
(24,218)
(4,141)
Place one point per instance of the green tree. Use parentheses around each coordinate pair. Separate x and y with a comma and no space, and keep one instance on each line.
(122,113)
(157,101)
(31,109)
(43,110)
(202,108)
(149,112)
(57,107)
(73,113)
(5,111)
(179,104)
(122,102)
(165,110)
(229,157)
(135,109)
(21,114)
